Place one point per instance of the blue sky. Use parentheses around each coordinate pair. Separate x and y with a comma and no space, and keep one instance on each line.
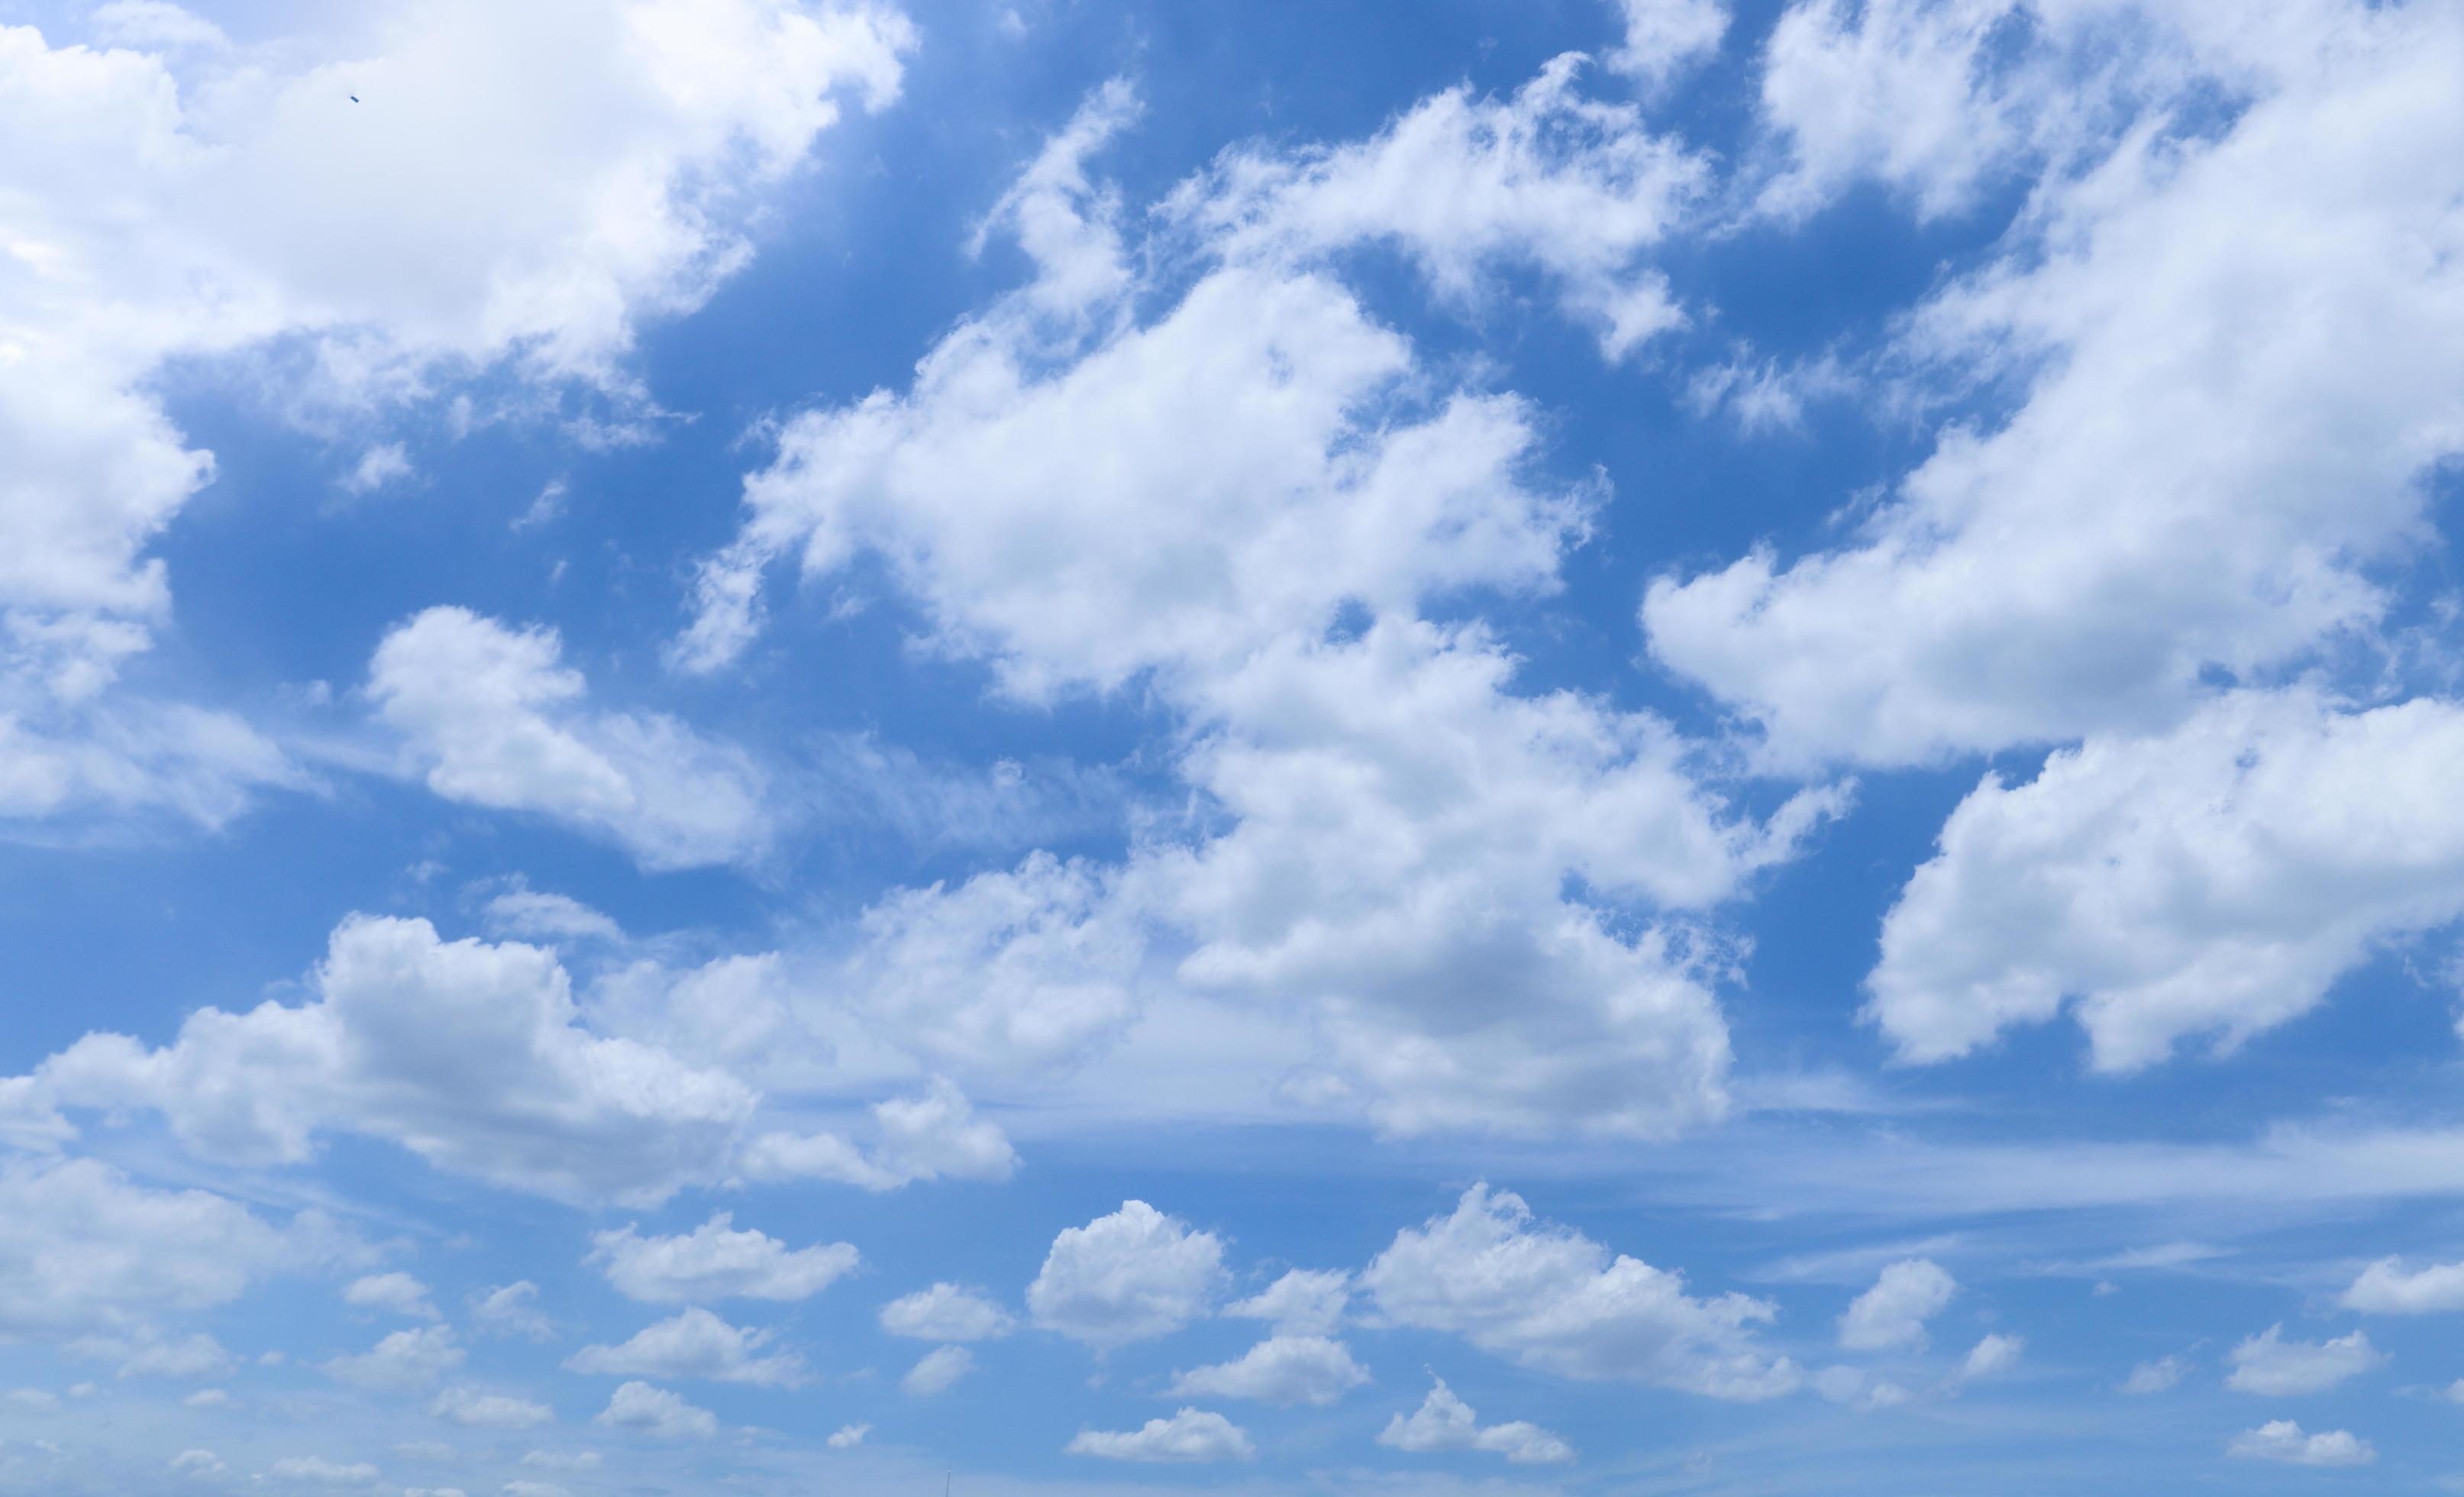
(1588,746)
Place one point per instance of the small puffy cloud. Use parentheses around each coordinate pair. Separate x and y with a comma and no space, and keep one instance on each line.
(2386,1289)
(1443,1422)
(1303,1302)
(924,1137)
(1549,1297)
(319,1469)
(400,1362)
(531,914)
(2282,1439)
(395,1293)
(380,467)
(655,1411)
(2157,1377)
(209,1398)
(511,1309)
(1891,1315)
(473,1409)
(564,1459)
(1130,1276)
(198,1462)
(1991,1356)
(946,1313)
(1282,1369)
(1192,1435)
(713,1262)
(492,717)
(1662,37)
(2269,1365)
(847,1437)
(1858,1388)
(693,1344)
(148,1353)
(39,1399)
(937,1372)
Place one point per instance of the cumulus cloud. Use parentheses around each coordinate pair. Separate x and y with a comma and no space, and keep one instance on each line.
(2269,1365)
(2282,1439)
(656,1411)
(937,1372)
(511,1309)
(946,1313)
(1308,1302)
(319,1469)
(713,1262)
(1443,1422)
(2386,1289)
(492,717)
(693,1344)
(518,194)
(1130,1276)
(475,1409)
(1859,1389)
(1991,1356)
(1891,1315)
(1664,36)
(2214,879)
(400,1362)
(1282,1369)
(2157,1377)
(1190,1436)
(847,1437)
(928,1136)
(1549,1297)
(395,1293)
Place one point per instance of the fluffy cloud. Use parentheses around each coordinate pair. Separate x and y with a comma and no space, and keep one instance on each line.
(511,1309)
(2269,1365)
(655,1411)
(400,1362)
(714,1261)
(937,1372)
(1549,1297)
(1858,1388)
(467,1053)
(319,1469)
(849,1436)
(2282,1439)
(81,1244)
(516,192)
(2213,879)
(1192,1435)
(1443,1422)
(396,1293)
(1991,1356)
(2157,1377)
(1282,1369)
(2190,484)
(1891,1315)
(1130,1276)
(148,1353)
(476,1410)
(946,1313)
(1306,1302)
(692,1344)
(924,1137)
(492,717)
(1662,37)
(2386,1288)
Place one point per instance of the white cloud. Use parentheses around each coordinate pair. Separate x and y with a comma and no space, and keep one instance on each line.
(1993,1356)
(924,1137)
(2386,1288)
(490,717)
(149,1352)
(2269,1365)
(465,1052)
(1306,1302)
(1549,1297)
(476,1410)
(2157,1377)
(1130,1276)
(1443,1422)
(847,1437)
(714,1261)
(530,914)
(1664,36)
(400,1362)
(937,1372)
(1192,1435)
(693,1344)
(40,1399)
(1891,1315)
(378,467)
(396,1293)
(511,1309)
(209,1398)
(946,1313)
(81,1244)
(562,1460)
(655,1411)
(1858,1388)
(2189,485)
(516,192)
(2213,879)
(1282,1369)
(198,1462)
(2282,1439)
(319,1469)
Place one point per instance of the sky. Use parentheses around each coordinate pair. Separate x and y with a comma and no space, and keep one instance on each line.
(1044,747)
